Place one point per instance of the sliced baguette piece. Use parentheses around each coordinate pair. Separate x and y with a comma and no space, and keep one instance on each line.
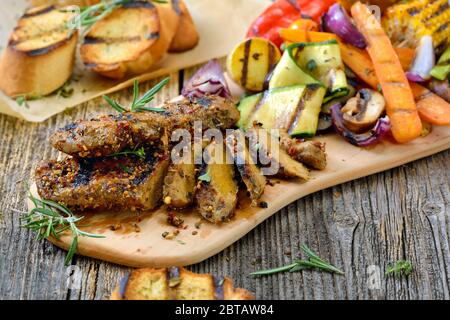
(81,3)
(216,195)
(40,54)
(186,36)
(130,40)
(176,283)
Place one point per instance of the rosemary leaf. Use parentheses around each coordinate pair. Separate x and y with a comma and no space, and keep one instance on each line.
(274,270)
(114,104)
(138,153)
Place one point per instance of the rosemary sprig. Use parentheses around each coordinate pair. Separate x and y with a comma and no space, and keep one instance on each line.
(22,100)
(139,104)
(400,268)
(313,262)
(65,91)
(51,219)
(137,152)
(91,14)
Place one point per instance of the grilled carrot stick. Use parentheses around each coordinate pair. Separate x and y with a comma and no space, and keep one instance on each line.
(400,105)
(431,107)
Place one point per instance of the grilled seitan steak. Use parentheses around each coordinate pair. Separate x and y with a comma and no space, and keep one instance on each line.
(176,284)
(104,183)
(311,153)
(287,167)
(217,193)
(179,184)
(251,175)
(109,134)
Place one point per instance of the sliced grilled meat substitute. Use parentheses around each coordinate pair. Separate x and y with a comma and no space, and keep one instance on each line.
(311,153)
(127,183)
(109,134)
(216,195)
(279,158)
(179,184)
(251,175)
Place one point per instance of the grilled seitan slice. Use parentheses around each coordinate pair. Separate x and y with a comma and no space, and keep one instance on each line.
(130,40)
(186,36)
(40,54)
(176,284)
(109,134)
(216,195)
(311,153)
(287,167)
(127,183)
(180,181)
(251,175)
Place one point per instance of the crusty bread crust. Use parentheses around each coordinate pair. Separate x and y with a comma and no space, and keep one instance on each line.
(39,64)
(156,284)
(186,36)
(142,55)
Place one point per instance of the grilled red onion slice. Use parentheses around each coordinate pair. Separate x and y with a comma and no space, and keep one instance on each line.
(424,61)
(368,138)
(337,21)
(208,79)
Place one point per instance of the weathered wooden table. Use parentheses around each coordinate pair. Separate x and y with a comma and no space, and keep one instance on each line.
(359,226)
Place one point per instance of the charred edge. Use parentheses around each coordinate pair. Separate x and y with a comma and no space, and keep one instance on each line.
(84,174)
(38,12)
(176,7)
(218,288)
(95,40)
(247,46)
(138,4)
(413,11)
(42,51)
(153,35)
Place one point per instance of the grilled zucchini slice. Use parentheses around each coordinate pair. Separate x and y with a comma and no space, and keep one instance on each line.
(130,40)
(40,54)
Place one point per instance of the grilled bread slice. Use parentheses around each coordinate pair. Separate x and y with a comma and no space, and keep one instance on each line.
(279,158)
(250,174)
(216,195)
(187,36)
(179,184)
(40,54)
(128,183)
(176,284)
(130,40)
(81,3)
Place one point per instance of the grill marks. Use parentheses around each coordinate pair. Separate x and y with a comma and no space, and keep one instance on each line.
(98,40)
(247,46)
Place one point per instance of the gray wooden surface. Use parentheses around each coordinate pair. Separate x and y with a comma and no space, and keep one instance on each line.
(359,226)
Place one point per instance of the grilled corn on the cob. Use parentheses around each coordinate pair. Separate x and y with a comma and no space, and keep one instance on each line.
(406,23)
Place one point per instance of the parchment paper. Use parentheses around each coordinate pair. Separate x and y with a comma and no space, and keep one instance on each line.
(220,23)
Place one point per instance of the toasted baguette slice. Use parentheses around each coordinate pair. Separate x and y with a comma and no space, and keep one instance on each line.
(81,3)
(216,195)
(250,174)
(287,166)
(40,54)
(187,36)
(176,284)
(130,40)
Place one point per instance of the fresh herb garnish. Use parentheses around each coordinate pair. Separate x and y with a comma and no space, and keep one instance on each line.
(91,14)
(313,262)
(65,90)
(400,268)
(139,104)
(125,168)
(51,219)
(311,65)
(205,177)
(137,152)
(22,100)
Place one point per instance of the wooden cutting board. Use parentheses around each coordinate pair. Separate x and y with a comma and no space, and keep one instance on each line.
(136,240)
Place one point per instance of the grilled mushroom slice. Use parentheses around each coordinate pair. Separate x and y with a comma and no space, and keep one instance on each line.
(362,111)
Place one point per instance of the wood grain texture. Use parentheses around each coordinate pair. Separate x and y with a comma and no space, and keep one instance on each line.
(402,213)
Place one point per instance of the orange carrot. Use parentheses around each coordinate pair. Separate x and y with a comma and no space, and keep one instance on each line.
(431,107)
(298,35)
(400,105)
(359,61)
